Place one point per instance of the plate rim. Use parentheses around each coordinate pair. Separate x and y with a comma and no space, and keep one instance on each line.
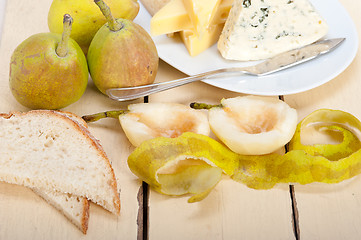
(352,42)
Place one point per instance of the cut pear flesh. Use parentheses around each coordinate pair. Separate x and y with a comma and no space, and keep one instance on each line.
(253,125)
(149,120)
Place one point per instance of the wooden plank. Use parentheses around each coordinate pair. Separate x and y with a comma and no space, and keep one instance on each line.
(23,214)
(332,211)
(232,210)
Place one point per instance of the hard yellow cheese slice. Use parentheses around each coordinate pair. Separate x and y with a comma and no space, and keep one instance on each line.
(201,13)
(173,17)
(222,12)
(196,44)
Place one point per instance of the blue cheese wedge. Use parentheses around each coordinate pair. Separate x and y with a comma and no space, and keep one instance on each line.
(260,29)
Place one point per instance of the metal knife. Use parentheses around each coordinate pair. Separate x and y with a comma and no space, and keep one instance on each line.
(271,65)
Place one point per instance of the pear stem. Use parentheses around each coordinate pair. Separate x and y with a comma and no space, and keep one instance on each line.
(113,24)
(62,49)
(107,114)
(196,105)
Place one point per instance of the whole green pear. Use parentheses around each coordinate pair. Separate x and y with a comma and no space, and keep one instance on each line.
(48,70)
(121,54)
(87,17)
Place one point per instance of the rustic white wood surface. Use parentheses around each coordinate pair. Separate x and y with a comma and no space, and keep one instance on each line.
(231,211)
(24,215)
(332,211)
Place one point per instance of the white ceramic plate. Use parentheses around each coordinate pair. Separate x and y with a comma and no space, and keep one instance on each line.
(293,80)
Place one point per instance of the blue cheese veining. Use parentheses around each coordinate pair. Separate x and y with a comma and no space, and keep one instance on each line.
(260,29)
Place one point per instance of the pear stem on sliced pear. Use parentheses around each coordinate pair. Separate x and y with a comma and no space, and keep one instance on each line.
(112,23)
(196,105)
(108,114)
(62,49)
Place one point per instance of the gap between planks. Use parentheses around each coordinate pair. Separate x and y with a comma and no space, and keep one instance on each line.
(295,219)
(143,201)
(143,217)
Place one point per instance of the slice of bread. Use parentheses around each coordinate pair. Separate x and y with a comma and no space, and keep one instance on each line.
(154,6)
(49,151)
(76,209)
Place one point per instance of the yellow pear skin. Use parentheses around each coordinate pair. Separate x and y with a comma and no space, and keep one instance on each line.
(40,79)
(87,17)
(122,58)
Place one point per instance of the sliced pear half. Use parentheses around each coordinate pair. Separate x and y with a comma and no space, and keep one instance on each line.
(253,125)
(150,120)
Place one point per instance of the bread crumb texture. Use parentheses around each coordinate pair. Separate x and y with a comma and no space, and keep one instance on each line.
(48,150)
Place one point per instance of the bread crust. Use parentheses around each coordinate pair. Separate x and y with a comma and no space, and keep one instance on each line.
(81,128)
(85,216)
(96,143)
(52,198)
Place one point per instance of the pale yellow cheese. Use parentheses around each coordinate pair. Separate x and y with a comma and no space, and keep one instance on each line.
(196,44)
(222,12)
(201,13)
(173,17)
(153,6)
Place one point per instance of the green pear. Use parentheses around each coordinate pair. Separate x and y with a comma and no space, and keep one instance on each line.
(48,70)
(121,54)
(87,17)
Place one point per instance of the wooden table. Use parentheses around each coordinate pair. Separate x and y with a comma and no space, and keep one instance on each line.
(231,211)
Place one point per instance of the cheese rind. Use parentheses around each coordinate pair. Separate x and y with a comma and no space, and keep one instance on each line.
(261,29)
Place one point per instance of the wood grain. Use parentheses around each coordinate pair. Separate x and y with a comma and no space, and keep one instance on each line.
(332,211)
(23,214)
(231,211)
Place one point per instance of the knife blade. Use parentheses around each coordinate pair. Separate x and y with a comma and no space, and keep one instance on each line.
(295,57)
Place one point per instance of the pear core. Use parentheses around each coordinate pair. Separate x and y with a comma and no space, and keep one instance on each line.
(253,125)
